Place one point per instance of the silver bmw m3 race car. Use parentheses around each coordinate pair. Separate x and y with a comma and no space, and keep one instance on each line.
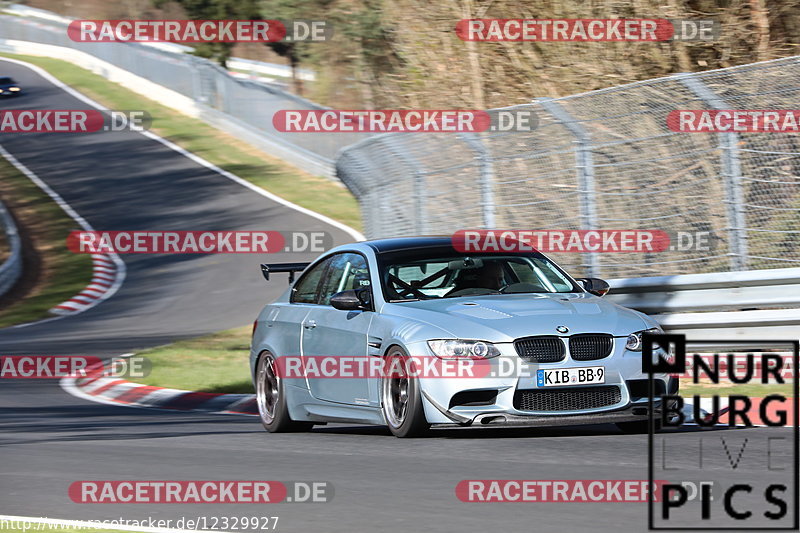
(412,333)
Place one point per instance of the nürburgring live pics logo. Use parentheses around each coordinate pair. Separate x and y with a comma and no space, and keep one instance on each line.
(724,474)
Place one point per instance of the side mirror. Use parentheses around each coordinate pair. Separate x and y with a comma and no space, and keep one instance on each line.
(351,300)
(596,286)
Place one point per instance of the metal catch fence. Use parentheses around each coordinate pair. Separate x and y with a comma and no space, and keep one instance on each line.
(606,160)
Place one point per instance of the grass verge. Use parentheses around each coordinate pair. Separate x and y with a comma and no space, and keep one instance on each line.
(51,273)
(313,192)
(213,363)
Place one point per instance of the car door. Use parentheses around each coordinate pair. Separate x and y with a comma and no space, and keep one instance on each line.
(332,333)
(286,320)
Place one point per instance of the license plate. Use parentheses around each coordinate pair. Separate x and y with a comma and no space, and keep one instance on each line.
(558,377)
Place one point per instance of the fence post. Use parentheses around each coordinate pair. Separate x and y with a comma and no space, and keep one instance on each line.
(222,94)
(731,174)
(584,168)
(350,169)
(486,179)
(195,75)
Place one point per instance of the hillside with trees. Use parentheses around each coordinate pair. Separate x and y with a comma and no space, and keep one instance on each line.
(405,53)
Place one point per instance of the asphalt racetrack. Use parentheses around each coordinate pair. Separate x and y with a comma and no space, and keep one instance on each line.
(50,439)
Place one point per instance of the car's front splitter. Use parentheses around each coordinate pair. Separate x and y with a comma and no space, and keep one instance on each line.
(628,413)
(501,419)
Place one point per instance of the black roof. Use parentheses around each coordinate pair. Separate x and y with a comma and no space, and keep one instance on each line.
(410,243)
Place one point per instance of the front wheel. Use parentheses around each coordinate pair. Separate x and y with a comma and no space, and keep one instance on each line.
(401,401)
(271,399)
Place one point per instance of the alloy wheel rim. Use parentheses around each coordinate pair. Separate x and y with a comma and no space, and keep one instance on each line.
(268,389)
(396,390)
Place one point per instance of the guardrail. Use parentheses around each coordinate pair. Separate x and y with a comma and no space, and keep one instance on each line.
(11,269)
(602,160)
(710,292)
(249,65)
(270,69)
(741,303)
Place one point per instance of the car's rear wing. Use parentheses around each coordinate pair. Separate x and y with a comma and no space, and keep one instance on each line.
(291,268)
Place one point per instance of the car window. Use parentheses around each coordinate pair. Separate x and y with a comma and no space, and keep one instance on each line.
(305,290)
(539,272)
(6,81)
(460,275)
(348,271)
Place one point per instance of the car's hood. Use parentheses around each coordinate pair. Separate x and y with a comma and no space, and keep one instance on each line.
(502,318)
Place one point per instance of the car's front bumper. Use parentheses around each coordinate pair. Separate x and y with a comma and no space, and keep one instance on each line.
(444,405)
(632,413)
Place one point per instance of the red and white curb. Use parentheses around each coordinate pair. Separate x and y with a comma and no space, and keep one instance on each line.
(104,278)
(111,390)
(108,270)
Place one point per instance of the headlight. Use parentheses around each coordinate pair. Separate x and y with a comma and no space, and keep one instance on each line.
(634,342)
(14,89)
(463,349)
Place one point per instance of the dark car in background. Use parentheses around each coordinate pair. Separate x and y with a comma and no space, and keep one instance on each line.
(8,87)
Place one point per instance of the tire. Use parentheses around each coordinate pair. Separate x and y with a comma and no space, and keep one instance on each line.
(638,427)
(271,399)
(401,401)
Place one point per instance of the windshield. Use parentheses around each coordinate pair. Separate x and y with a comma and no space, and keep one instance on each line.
(6,81)
(455,275)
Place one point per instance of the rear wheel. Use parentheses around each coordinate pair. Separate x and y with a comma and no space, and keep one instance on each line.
(401,401)
(271,399)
